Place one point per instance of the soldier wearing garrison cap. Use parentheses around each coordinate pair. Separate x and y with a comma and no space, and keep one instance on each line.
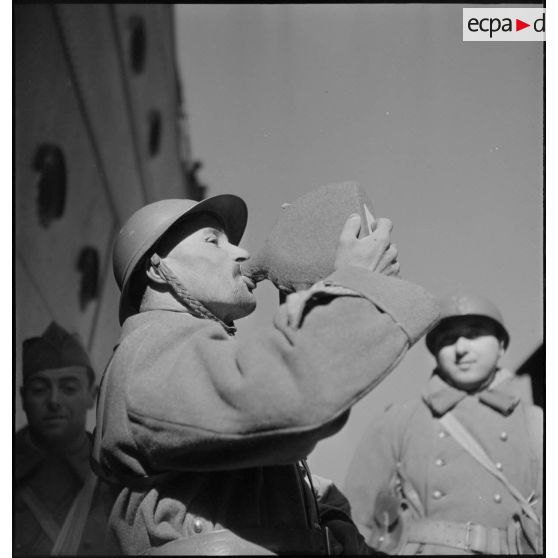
(205,433)
(59,506)
(458,470)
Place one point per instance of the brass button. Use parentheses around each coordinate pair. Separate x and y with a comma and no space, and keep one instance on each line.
(198,526)
(503,436)
(442,434)
(437,494)
(499,466)
(497,498)
(439,462)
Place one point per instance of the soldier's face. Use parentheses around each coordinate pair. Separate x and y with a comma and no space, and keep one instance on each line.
(468,354)
(209,266)
(56,403)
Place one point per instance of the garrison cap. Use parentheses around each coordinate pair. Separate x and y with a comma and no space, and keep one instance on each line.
(55,348)
(301,247)
(460,305)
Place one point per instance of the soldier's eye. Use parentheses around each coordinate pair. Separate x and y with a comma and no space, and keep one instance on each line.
(474,332)
(37,390)
(446,340)
(69,387)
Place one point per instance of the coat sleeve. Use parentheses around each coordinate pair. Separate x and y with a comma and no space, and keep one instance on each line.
(208,401)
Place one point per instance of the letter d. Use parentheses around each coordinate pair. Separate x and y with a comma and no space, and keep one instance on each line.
(536,24)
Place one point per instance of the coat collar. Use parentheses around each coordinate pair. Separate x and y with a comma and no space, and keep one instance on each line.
(145,317)
(29,457)
(441,397)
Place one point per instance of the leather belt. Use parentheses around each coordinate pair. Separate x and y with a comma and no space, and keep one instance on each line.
(465,536)
(249,542)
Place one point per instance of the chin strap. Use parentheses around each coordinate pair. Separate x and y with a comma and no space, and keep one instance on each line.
(194,306)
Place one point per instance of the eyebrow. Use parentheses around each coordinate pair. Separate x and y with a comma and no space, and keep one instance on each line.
(65,379)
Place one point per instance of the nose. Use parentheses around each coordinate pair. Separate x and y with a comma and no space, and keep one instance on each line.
(54,398)
(461,345)
(239,254)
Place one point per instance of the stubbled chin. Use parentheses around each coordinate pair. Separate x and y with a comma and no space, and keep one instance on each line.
(242,304)
(245,308)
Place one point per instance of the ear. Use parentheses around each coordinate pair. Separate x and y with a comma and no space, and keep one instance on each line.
(153,273)
(93,391)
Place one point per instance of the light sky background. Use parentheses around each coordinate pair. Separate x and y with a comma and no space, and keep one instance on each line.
(445,136)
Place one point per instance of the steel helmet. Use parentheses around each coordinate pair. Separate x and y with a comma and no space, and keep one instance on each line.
(460,305)
(146,227)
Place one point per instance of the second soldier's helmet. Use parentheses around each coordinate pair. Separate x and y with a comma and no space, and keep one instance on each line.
(146,227)
(467,305)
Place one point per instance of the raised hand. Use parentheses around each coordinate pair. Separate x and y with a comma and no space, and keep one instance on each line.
(373,252)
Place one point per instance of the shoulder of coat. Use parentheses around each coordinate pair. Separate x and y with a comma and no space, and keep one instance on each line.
(404,407)
(535,419)
(398,416)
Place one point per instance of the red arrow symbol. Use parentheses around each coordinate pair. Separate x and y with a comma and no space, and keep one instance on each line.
(519,25)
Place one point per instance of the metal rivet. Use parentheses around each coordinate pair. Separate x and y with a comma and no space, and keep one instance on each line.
(381,539)
(437,494)
(499,466)
(497,498)
(503,436)
(442,434)
(439,462)
(198,526)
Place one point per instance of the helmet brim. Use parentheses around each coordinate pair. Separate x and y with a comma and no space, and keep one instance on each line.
(432,335)
(228,208)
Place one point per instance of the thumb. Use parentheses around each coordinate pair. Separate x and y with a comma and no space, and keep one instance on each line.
(351,228)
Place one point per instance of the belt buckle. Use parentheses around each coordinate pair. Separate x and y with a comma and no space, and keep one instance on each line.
(479,538)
